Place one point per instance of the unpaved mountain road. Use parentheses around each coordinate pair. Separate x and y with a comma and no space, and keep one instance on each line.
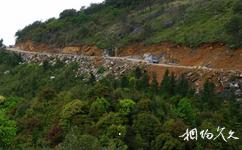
(16,50)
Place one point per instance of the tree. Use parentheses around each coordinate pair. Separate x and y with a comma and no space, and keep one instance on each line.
(116,131)
(124,81)
(154,84)
(166,142)
(47,94)
(98,108)
(68,13)
(7,130)
(165,83)
(74,140)
(144,105)
(138,73)
(168,84)
(209,97)
(145,81)
(72,108)
(234,27)
(182,87)
(122,3)
(172,84)
(237,8)
(148,3)
(110,119)
(126,106)
(148,126)
(92,79)
(185,111)
(1,43)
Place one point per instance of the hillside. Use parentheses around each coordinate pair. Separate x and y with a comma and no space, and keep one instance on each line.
(114,24)
(51,105)
(82,81)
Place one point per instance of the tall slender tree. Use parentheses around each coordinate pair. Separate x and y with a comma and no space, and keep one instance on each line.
(1,43)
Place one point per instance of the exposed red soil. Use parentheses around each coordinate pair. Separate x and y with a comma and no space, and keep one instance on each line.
(73,49)
(216,55)
(213,55)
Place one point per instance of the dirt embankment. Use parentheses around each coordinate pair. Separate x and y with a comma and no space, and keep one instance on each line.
(215,55)
(209,55)
(72,49)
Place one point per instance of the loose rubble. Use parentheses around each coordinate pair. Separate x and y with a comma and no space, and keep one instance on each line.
(117,67)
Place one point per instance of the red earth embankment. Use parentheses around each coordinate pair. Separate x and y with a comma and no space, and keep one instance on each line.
(211,55)
(72,49)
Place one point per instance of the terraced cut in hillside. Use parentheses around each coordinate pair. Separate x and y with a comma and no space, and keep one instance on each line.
(215,55)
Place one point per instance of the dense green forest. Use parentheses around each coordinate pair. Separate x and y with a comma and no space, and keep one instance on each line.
(116,23)
(72,112)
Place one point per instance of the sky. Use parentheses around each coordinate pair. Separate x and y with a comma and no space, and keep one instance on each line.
(16,14)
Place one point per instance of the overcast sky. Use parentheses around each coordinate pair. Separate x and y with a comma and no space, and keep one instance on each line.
(16,14)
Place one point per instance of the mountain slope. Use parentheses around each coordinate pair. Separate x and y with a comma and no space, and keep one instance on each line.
(118,23)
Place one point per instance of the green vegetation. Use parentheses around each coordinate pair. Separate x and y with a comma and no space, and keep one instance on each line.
(119,23)
(234,26)
(1,43)
(68,112)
